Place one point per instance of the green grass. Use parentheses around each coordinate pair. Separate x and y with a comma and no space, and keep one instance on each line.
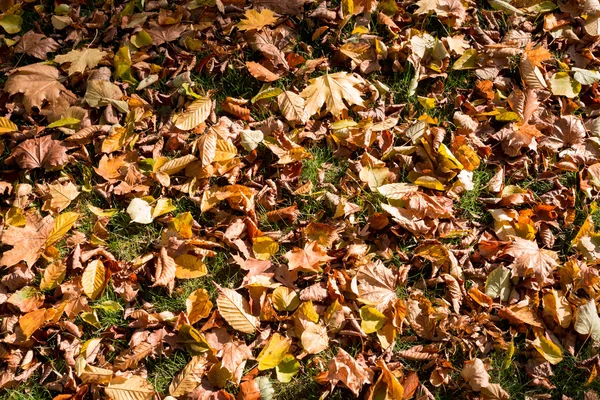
(568,377)
(161,370)
(469,204)
(220,270)
(29,390)
(127,241)
(323,164)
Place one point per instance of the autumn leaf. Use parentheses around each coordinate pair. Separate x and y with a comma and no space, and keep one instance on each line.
(41,152)
(133,388)
(236,311)
(189,378)
(255,20)
(36,45)
(274,352)
(93,279)
(165,270)
(198,305)
(377,285)
(38,83)
(309,259)
(81,59)
(292,107)
(195,114)
(261,73)
(28,242)
(333,90)
(587,321)
(60,196)
(349,371)
(531,260)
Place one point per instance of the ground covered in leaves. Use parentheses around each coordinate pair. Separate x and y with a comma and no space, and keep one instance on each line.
(285,199)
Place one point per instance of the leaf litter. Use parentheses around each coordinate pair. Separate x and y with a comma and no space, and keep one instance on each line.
(365,198)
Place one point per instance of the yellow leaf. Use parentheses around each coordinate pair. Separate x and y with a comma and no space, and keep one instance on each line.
(236,311)
(53,275)
(467,61)
(264,247)
(429,182)
(62,224)
(163,206)
(372,319)
(86,57)
(333,90)
(189,378)
(287,368)
(93,279)
(171,167)
(6,125)
(547,348)
(122,63)
(274,352)
(195,114)
(198,305)
(428,103)
(225,151)
(133,388)
(32,321)
(285,299)
(189,267)
(562,84)
(255,20)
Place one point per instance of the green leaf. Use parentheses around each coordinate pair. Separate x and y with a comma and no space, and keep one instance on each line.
(287,368)
(467,61)
(109,306)
(64,122)
(11,23)
(498,284)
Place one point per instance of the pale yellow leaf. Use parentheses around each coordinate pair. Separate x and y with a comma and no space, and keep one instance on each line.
(236,310)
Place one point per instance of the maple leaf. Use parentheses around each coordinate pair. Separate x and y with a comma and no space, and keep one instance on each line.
(81,59)
(38,83)
(376,285)
(308,259)
(255,20)
(40,152)
(569,130)
(288,7)
(529,259)
(28,242)
(332,90)
(164,34)
(60,196)
(36,45)
(351,372)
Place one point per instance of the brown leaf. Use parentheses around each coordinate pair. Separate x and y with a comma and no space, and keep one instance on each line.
(28,242)
(165,270)
(261,73)
(309,259)
(475,374)
(530,260)
(349,371)
(40,152)
(38,83)
(36,45)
